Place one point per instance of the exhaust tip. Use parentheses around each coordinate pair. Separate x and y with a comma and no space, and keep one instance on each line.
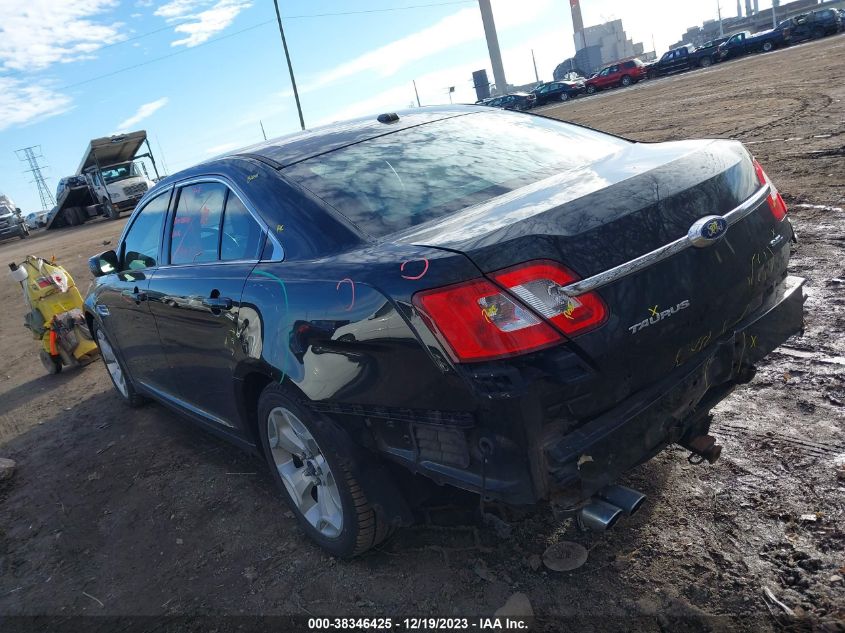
(628,499)
(599,515)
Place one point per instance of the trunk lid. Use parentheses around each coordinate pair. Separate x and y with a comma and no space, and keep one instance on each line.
(601,215)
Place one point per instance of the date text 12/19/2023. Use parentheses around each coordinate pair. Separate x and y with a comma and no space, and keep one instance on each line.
(419,624)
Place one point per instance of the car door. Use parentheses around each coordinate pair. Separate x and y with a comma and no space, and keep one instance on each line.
(121,303)
(212,244)
(681,61)
(613,77)
(664,66)
(601,79)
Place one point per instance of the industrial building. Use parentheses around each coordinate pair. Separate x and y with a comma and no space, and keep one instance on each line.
(599,45)
(754,20)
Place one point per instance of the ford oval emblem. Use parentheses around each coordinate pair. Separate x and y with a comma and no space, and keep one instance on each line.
(707,230)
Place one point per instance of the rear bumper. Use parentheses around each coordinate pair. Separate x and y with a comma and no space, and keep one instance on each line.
(674,410)
(532,457)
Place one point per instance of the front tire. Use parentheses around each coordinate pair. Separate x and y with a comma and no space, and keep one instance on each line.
(109,210)
(706,62)
(313,463)
(53,364)
(767,47)
(591,90)
(117,372)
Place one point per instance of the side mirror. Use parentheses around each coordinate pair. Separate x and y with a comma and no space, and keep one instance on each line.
(103,264)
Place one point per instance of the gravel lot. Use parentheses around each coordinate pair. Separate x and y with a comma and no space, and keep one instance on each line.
(134,512)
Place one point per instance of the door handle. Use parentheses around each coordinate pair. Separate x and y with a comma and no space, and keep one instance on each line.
(218,303)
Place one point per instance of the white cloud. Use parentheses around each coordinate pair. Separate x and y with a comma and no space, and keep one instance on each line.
(23,102)
(223,148)
(201,19)
(143,112)
(35,34)
(459,28)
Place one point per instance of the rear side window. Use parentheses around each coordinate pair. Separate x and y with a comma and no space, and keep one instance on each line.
(241,233)
(430,171)
(140,246)
(196,225)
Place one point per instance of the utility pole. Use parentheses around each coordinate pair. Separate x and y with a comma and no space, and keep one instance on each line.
(30,156)
(534,59)
(775,6)
(493,46)
(719,9)
(417,93)
(290,66)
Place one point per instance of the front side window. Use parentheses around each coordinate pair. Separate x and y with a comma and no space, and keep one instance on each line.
(400,180)
(140,246)
(241,233)
(196,226)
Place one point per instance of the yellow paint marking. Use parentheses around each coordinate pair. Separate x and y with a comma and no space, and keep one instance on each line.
(654,311)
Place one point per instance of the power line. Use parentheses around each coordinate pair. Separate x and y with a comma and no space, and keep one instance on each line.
(241,31)
(30,157)
(292,17)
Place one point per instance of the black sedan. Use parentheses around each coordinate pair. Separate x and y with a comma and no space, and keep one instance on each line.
(557,91)
(510,304)
(514,101)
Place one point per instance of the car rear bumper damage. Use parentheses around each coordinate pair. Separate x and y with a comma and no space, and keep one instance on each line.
(571,466)
(675,410)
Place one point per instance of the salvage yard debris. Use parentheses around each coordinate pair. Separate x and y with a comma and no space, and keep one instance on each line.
(7,468)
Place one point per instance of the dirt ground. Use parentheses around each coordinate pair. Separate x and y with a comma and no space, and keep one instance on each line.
(135,512)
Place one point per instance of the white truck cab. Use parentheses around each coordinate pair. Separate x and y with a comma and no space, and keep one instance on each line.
(120,185)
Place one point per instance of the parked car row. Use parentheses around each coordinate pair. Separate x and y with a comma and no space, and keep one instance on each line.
(624,73)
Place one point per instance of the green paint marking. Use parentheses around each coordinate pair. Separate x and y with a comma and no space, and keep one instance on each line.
(287,304)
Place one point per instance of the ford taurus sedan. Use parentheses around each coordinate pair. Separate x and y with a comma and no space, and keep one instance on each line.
(513,305)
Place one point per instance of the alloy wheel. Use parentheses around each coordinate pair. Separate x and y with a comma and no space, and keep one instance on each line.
(305,472)
(112,365)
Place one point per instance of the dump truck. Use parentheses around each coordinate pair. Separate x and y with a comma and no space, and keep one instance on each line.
(111,179)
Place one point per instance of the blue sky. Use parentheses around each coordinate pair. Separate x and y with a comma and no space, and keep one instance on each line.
(73,70)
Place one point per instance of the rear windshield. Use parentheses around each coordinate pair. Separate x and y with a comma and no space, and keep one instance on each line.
(400,180)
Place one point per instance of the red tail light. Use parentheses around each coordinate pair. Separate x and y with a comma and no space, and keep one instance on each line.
(479,321)
(776,203)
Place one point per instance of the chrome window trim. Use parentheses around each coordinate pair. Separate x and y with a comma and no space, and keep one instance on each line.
(672,248)
(133,217)
(194,180)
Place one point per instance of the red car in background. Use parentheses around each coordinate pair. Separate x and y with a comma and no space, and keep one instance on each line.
(618,74)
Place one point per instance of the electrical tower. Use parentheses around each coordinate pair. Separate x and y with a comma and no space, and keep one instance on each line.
(30,156)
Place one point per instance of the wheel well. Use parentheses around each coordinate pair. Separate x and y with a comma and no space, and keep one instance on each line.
(253,384)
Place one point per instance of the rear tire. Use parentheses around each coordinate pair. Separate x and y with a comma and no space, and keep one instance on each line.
(564,96)
(71,219)
(626,81)
(706,62)
(315,465)
(818,33)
